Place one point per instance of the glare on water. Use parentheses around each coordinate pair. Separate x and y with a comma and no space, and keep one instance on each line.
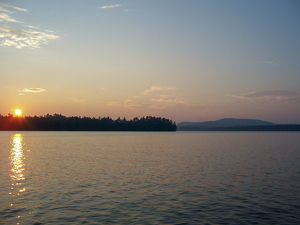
(149,178)
(16,157)
(17,167)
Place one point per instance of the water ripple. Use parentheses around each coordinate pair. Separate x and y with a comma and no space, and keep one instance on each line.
(150,178)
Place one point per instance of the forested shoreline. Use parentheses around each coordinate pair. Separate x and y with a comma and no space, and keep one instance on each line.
(58,122)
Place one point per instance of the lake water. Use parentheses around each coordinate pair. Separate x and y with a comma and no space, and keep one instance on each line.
(150,178)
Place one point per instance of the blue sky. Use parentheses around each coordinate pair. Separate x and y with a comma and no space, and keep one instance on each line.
(184,60)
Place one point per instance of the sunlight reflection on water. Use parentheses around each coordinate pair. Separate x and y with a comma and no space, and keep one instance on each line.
(17,168)
(16,157)
(149,178)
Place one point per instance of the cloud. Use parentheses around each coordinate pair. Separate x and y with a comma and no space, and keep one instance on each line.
(136,105)
(5,13)
(33,27)
(271,96)
(34,90)
(11,6)
(114,104)
(110,6)
(171,101)
(76,99)
(175,100)
(275,93)
(159,88)
(295,100)
(24,38)
(154,104)
(6,18)
(21,38)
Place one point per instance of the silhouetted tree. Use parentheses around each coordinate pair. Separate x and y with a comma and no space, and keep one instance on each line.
(58,122)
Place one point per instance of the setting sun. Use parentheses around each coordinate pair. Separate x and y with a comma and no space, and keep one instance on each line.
(18,112)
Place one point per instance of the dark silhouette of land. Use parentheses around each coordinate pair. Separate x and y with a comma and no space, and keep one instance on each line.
(226,122)
(58,122)
(231,124)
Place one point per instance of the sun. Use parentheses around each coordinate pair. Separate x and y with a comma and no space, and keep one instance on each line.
(18,112)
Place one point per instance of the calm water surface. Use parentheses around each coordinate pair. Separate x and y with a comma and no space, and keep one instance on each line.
(150,178)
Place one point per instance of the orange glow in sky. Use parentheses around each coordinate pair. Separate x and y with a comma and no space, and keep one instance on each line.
(186,60)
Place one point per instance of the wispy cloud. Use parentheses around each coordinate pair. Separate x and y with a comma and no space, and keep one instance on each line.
(171,101)
(137,105)
(13,7)
(166,99)
(129,104)
(275,93)
(33,27)
(24,38)
(154,104)
(6,18)
(110,6)
(5,13)
(159,88)
(76,99)
(114,104)
(271,96)
(21,38)
(33,90)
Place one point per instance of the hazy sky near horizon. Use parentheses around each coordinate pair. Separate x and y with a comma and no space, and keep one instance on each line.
(183,60)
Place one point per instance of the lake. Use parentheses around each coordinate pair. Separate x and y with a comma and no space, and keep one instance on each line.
(150,178)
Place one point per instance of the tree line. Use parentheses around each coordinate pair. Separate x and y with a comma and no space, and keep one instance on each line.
(58,122)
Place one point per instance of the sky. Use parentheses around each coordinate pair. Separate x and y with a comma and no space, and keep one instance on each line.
(183,60)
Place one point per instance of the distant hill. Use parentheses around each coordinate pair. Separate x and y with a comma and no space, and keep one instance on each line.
(226,122)
(231,124)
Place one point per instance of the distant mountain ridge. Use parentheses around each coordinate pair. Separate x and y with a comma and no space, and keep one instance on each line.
(232,124)
(225,122)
